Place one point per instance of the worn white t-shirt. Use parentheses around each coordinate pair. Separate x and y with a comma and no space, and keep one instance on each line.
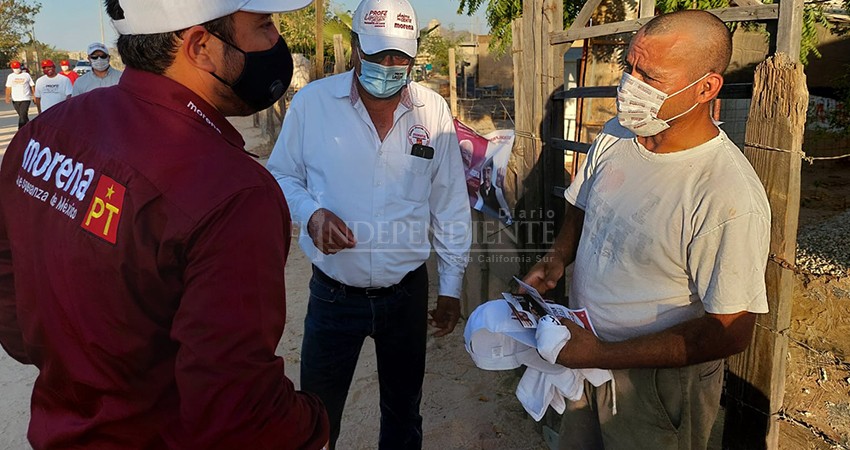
(52,91)
(667,237)
(21,86)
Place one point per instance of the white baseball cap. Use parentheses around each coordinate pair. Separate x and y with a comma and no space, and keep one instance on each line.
(162,16)
(496,341)
(386,25)
(95,46)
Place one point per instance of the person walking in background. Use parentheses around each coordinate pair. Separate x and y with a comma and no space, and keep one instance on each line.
(102,74)
(370,163)
(50,88)
(65,67)
(19,86)
(142,250)
(669,228)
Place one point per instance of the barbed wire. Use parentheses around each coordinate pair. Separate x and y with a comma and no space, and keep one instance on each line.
(783,415)
(796,269)
(800,153)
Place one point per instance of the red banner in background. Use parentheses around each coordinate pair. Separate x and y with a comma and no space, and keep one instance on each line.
(485,163)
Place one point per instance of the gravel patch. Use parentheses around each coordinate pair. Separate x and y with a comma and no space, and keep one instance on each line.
(824,248)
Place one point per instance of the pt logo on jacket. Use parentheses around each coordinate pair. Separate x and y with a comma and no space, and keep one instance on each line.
(104,213)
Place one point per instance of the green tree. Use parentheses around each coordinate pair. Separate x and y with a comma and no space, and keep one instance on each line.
(500,13)
(16,20)
(438,45)
(46,51)
(299,30)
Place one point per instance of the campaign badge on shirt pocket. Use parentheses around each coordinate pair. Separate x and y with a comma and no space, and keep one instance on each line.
(104,212)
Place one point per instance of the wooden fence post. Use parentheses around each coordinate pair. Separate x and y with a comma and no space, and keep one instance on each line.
(452,82)
(788,35)
(539,74)
(339,54)
(320,41)
(552,118)
(756,384)
(521,105)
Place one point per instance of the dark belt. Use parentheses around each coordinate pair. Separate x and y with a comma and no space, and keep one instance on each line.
(369,291)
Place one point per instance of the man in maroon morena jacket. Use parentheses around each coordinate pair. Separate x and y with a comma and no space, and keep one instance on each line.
(142,250)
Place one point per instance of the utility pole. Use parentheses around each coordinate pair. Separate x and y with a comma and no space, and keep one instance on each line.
(100,10)
(35,67)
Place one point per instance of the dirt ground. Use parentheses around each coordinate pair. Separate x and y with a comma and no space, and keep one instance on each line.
(817,391)
(463,407)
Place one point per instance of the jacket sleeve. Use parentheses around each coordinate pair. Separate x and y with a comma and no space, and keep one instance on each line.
(10,331)
(232,387)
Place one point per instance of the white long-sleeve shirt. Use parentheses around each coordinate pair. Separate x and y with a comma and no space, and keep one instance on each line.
(330,156)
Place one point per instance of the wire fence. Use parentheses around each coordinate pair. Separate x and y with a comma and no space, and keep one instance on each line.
(821,140)
(818,372)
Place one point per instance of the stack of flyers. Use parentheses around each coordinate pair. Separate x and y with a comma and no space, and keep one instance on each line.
(528,308)
(521,313)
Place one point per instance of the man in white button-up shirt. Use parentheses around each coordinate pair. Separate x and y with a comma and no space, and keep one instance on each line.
(369,164)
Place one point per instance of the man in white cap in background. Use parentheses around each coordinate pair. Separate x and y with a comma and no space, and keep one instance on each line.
(101,74)
(369,162)
(151,293)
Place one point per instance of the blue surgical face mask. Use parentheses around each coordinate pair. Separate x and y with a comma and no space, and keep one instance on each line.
(382,81)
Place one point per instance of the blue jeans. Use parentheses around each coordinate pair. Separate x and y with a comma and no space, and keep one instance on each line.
(336,325)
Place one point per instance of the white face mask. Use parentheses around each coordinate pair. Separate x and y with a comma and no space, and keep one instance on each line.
(17,71)
(100,64)
(65,68)
(638,104)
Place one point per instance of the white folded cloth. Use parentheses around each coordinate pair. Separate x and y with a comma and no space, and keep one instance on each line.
(551,337)
(496,341)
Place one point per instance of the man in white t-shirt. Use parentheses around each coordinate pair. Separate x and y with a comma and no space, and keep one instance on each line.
(668,226)
(19,86)
(50,88)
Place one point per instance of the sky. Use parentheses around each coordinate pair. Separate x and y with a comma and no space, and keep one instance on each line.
(73,25)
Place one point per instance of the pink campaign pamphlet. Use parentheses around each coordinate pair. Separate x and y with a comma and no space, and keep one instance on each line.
(528,312)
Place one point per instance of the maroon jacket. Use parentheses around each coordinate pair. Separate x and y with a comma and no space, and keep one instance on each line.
(141,270)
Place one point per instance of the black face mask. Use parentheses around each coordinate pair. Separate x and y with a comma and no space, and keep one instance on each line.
(265,76)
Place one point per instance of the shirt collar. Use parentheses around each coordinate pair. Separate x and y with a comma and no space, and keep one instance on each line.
(163,91)
(347,87)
